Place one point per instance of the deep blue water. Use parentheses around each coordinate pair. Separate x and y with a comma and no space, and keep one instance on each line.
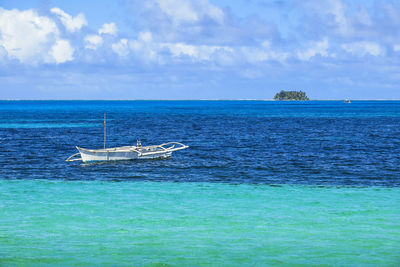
(251,142)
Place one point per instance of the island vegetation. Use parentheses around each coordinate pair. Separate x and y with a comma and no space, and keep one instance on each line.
(291,95)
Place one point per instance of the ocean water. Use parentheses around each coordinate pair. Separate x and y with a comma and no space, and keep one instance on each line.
(263,183)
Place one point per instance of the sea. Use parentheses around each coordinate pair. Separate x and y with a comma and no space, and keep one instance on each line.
(263,183)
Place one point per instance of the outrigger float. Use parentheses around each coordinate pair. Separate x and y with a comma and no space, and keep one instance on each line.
(126,152)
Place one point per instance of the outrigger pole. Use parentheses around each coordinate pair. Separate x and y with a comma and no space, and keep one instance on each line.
(105,132)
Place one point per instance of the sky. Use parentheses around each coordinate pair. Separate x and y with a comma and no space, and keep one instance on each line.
(199,49)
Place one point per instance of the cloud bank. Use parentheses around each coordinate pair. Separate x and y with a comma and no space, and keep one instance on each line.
(322,37)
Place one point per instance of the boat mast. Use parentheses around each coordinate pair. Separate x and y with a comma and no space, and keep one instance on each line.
(105,132)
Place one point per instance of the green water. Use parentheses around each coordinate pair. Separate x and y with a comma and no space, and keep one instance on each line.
(196,224)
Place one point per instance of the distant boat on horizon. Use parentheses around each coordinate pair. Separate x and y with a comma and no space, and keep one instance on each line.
(347,101)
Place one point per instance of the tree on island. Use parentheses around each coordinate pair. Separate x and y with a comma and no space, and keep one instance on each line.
(291,95)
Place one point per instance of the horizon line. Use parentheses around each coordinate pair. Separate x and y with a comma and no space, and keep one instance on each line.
(239,99)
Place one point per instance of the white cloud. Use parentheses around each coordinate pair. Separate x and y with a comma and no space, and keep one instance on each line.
(121,48)
(392,11)
(146,37)
(318,48)
(196,53)
(72,24)
(179,49)
(363,17)
(263,53)
(331,16)
(183,11)
(211,11)
(336,8)
(363,48)
(396,48)
(179,11)
(149,50)
(145,47)
(32,39)
(62,51)
(108,28)
(3,53)
(27,36)
(93,41)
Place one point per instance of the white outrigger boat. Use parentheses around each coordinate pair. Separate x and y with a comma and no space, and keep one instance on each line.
(126,152)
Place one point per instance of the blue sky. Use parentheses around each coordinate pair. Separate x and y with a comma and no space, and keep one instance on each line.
(203,49)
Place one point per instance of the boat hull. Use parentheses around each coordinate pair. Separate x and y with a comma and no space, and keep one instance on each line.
(89,155)
(127,152)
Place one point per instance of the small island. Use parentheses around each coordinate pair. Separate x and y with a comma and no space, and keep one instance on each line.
(291,95)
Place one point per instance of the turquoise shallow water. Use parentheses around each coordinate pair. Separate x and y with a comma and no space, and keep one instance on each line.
(82,223)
